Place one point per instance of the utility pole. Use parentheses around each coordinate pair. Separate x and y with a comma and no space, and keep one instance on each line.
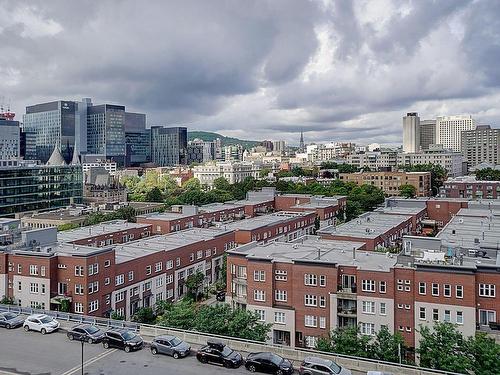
(82,341)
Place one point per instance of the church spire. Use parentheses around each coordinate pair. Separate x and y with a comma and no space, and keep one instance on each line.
(301,145)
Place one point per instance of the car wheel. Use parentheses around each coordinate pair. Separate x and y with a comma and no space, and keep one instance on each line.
(8,326)
(279,372)
(226,364)
(127,349)
(71,337)
(251,368)
(105,345)
(175,355)
(26,328)
(90,341)
(43,331)
(203,360)
(154,351)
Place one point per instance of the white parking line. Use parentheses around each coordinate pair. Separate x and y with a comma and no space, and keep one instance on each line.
(88,362)
(2,372)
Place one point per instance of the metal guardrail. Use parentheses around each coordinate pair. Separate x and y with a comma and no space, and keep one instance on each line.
(195,337)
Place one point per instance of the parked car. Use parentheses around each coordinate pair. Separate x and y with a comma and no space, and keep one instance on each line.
(86,332)
(269,363)
(218,353)
(11,320)
(221,296)
(320,366)
(41,323)
(170,345)
(122,338)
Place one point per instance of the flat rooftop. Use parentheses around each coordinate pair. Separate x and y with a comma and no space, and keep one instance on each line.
(313,249)
(401,210)
(99,229)
(472,229)
(369,225)
(168,242)
(263,221)
(61,214)
(214,207)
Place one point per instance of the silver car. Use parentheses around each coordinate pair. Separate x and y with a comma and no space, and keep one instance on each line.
(320,366)
(170,345)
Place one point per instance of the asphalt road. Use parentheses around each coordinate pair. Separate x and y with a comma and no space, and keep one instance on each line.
(30,353)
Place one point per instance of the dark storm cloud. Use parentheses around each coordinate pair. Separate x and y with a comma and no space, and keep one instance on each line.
(338,69)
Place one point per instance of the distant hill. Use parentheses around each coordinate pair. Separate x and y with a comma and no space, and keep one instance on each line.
(226,141)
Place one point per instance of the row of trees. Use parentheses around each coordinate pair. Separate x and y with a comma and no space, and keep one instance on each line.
(441,347)
(488,174)
(123,213)
(219,319)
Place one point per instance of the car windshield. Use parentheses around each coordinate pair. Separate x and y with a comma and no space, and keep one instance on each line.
(175,341)
(92,330)
(276,359)
(9,316)
(128,335)
(46,319)
(335,368)
(226,351)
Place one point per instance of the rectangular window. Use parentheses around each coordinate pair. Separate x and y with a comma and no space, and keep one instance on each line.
(149,270)
(435,314)
(447,316)
(280,275)
(460,317)
(261,314)
(322,301)
(19,268)
(487,290)
(435,289)
(459,291)
(158,266)
(170,264)
(383,308)
(107,263)
(33,270)
(93,287)
(34,288)
(447,290)
(178,262)
(93,306)
(280,295)
(78,307)
(422,288)
(170,293)
(78,270)
(279,317)
(119,296)
(170,278)
(310,321)
(368,329)
(107,281)
(199,254)
(322,280)
(310,300)
(191,257)
(368,307)
(119,279)
(42,270)
(382,287)
(368,286)
(78,289)
(259,276)
(259,295)
(130,275)
(422,313)
(310,279)
(322,322)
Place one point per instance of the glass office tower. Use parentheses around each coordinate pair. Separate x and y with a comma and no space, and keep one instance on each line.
(168,146)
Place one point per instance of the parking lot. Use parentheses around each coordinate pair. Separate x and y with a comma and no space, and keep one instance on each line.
(30,353)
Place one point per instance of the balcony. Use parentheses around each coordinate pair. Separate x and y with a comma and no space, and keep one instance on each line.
(57,298)
(349,312)
(346,292)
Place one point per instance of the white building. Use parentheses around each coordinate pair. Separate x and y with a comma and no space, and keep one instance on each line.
(232,171)
(449,130)
(411,132)
(95,161)
(373,160)
(279,146)
(451,161)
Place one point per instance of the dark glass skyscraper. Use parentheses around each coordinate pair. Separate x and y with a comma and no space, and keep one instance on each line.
(168,146)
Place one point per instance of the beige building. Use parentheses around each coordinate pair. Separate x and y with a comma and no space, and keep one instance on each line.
(232,171)
(449,130)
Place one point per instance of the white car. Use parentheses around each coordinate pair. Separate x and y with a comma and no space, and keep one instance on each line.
(41,323)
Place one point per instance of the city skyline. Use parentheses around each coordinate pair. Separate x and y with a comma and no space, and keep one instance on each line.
(335,70)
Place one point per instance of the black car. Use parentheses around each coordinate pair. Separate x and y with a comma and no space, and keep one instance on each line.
(122,339)
(11,320)
(221,296)
(86,332)
(269,363)
(218,353)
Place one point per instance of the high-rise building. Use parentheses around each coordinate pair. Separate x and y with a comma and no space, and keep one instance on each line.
(268,145)
(54,126)
(168,146)
(427,133)
(411,132)
(449,130)
(9,139)
(106,131)
(481,145)
(137,139)
(279,146)
(301,143)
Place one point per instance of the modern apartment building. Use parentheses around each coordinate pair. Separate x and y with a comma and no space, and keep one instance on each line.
(411,132)
(28,186)
(232,171)
(375,160)
(427,134)
(390,182)
(453,162)
(481,145)
(449,130)
(469,187)
(10,139)
(168,146)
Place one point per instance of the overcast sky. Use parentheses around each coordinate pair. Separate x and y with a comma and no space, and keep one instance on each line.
(338,70)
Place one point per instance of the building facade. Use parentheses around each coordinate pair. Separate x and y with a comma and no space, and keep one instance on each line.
(411,132)
(481,145)
(469,187)
(168,146)
(453,162)
(10,139)
(427,134)
(375,160)
(232,171)
(449,130)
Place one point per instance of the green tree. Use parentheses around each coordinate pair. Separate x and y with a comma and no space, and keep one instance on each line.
(180,315)
(7,300)
(486,354)
(114,315)
(488,174)
(127,213)
(264,172)
(386,346)
(67,226)
(144,315)
(194,282)
(154,195)
(346,340)
(443,347)
(222,183)
(438,174)
(407,191)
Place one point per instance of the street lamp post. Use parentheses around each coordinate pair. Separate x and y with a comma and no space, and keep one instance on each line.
(82,340)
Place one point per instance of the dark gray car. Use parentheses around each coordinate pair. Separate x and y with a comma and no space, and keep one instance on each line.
(11,320)
(86,332)
(170,345)
(320,366)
